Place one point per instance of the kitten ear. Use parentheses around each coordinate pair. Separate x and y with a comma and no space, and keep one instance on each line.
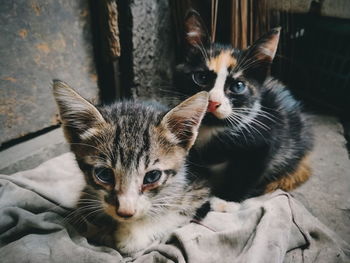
(184,120)
(266,46)
(78,115)
(196,33)
(263,52)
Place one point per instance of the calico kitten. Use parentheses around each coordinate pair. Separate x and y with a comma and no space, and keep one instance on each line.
(254,138)
(133,156)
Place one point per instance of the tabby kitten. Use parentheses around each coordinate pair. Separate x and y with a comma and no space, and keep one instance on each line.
(254,138)
(133,156)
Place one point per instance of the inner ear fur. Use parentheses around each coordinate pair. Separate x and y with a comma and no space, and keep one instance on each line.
(266,46)
(78,115)
(262,52)
(184,120)
(196,33)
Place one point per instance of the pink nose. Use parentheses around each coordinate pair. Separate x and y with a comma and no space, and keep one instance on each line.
(125,213)
(125,206)
(213,105)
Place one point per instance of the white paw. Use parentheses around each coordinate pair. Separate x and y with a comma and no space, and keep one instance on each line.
(220,205)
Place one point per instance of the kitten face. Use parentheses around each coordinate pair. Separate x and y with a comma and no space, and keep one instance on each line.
(232,77)
(133,155)
(144,170)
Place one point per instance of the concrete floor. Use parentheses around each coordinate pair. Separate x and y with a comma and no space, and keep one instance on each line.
(29,154)
(326,194)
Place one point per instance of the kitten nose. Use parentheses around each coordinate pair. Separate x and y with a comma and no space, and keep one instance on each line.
(213,105)
(125,213)
(125,206)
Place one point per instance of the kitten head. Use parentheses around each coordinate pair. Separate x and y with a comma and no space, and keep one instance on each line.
(133,155)
(232,77)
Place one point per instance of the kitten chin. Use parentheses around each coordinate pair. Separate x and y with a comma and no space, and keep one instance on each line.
(134,159)
(253,123)
(132,238)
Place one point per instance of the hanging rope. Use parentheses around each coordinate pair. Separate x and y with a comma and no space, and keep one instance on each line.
(214,18)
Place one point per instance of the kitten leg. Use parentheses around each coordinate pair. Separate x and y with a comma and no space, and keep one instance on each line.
(220,205)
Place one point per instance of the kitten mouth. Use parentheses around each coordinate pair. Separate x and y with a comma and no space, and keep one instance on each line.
(217,114)
(122,219)
(125,219)
(211,120)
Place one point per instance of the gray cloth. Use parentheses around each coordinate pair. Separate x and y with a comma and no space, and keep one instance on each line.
(271,228)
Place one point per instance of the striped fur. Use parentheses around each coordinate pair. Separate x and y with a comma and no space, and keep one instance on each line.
(252,141)
(128,140)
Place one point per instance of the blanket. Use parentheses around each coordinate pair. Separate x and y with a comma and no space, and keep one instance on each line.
(271,228)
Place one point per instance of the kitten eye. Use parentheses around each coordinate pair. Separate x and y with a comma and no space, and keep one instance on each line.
(201,78)
(105,175)
(152,177)
(238,87)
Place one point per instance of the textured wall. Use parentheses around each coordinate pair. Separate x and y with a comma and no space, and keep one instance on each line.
(41,40)
(153,48)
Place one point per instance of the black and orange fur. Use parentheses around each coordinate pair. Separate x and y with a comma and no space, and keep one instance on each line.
(261,141)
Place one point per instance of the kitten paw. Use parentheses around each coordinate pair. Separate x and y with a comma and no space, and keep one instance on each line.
(220,205)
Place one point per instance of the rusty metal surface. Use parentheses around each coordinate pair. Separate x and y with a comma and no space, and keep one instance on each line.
(41,40)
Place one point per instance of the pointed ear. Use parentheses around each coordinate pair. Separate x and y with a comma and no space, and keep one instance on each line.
(184,120)
(263,52)
(266,46)
(79,117)
(196,33)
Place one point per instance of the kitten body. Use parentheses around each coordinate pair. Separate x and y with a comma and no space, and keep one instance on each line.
(254,138)
(133,156)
